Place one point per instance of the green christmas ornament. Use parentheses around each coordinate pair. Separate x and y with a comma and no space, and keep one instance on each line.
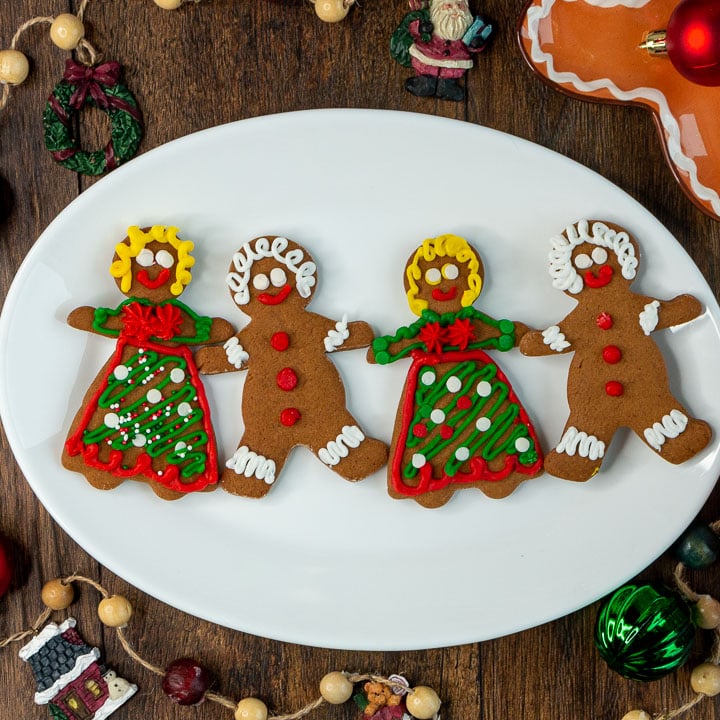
(644,632)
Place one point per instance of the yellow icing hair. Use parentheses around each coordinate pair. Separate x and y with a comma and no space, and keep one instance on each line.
(451,246)
(138,238)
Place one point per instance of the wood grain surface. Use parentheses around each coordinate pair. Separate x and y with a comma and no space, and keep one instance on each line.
(224,60)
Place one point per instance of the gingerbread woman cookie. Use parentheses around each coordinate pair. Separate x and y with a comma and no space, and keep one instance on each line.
(293,394)
(146,416)
(459,423)
(617,377)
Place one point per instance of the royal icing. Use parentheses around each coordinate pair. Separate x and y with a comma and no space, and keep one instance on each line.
(248,463)
(350,437)
(553,337)
(670,427)
(575,441)
(649,317)
(236,355)
(337,337)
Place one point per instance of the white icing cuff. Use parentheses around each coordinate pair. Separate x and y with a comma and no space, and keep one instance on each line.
(575,441)
(649,317)
(555,339)
(670,427)
(350,437)
(335,338)
(235,354)
(245,462)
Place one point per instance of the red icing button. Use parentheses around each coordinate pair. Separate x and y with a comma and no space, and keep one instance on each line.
(612,354)
(420,430)
(464,402)
(446,432)
(280,341)
(604,321)
(287,379)
(289,416)
(614,388)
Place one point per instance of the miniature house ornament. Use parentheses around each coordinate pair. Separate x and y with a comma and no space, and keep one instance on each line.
(70,679)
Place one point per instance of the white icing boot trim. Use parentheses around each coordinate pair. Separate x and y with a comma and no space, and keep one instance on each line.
(350,437)
(245,462)
(649,317)
(555,339)
(576,441)
(337,337)
(235,354)
(671,426)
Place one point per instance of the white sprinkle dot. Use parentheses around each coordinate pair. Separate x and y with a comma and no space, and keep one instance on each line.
(154,396)
(112,420)
(453,384)
(418,460)
(177,375)
(483,424)
(121,372)
(522,444)
(428,377)
(184,409)
(139,440)
(484,388)
(462,454)
(437,416)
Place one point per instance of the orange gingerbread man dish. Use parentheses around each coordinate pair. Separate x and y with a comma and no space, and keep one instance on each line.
(293,394)
(617,377)
(146,417)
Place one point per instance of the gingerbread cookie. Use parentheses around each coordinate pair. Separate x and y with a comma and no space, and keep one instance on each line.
(146,416)
(293,394)
(617,376)
(459,423)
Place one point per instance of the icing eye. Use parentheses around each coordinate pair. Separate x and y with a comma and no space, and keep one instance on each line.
(164,259)
(583,261)
(261,281)
(278,277)
(450,271)
(145,258)
(433,276)
(599,255)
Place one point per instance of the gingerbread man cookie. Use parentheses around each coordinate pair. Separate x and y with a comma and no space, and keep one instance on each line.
(617,377)
(293,394)
(146,416)
(459,423)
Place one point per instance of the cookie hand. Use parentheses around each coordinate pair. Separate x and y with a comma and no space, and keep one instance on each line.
(216,359)
(548,341)
(679,310)
(220,330)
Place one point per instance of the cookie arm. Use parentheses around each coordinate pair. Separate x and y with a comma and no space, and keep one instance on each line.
(679,310)
(84,318)
(220,330)
(216,359)
(546,342)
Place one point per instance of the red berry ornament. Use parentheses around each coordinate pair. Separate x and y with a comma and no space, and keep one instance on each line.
(5,566)
(186,681)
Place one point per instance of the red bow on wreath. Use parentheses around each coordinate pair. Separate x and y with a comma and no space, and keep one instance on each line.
(89,80)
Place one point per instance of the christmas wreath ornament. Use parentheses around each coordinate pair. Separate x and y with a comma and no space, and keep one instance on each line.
(76,687)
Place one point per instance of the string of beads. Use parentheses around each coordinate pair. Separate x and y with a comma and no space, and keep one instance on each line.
(186,682)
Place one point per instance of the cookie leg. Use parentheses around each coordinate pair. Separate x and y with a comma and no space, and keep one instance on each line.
(579,454)
(97,478)
(351,454)
(251,471)
(674,436)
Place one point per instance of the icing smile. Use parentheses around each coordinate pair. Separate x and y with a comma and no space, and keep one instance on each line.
(144,279)
(267,298)
(604,276)
(441,296)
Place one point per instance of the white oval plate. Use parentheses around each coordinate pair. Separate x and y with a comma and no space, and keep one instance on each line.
(320,561)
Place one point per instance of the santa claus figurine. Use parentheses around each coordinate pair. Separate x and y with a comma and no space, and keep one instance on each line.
(438,39)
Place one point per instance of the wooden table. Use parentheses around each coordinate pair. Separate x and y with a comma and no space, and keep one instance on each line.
(224,60)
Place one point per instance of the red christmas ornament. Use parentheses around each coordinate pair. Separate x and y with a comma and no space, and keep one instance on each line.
(6,573)
(692,41)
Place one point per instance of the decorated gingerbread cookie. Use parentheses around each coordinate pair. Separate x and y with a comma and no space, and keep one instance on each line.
(459,423)
(146,416)
(617,377)
(293,394)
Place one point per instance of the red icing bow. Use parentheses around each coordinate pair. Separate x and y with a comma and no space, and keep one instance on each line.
(143,321)
(92,80)
(435,337)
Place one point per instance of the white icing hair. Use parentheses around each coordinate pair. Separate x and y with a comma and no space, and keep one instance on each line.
(563,274)
(262,247)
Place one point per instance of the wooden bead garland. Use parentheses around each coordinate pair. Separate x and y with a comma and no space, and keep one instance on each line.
(115,611)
